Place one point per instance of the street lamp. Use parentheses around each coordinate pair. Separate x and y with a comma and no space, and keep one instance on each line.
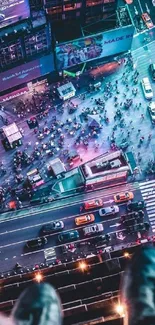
(83,266)
(38,277)
(120,310)
(126,255)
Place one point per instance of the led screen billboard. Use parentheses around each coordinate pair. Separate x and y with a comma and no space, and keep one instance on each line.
(26,72)
(94,47)
(12,11)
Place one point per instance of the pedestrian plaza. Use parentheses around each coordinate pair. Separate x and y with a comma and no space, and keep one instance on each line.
(108,112)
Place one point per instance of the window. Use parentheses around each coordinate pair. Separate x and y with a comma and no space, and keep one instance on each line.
(10,53)
(36,43)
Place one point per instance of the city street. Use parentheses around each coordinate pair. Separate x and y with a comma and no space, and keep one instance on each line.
(88,146)
(15,233)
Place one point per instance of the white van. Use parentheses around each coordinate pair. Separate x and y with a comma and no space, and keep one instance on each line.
(147,89)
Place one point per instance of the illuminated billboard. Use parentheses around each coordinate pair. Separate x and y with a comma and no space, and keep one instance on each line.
(13,11)
(26,72)
(94,47)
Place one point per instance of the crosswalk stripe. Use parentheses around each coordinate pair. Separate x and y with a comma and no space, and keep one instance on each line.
(148,193)
(152,215)
(145,183)
(150,204)
(151,208)
(148,200)
(147,187)
(146,190)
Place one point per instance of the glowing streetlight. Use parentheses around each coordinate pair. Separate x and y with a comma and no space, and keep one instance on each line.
(126,255)
(120,310)
(83,266)
(38,277)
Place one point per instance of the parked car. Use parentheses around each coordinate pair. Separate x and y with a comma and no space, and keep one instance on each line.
(109,210)
(123,197)
(35,243)
(93,229)
(151,109)
(100,240)
(52,227)
(135,206)
(84,219)
(147,20)
(68,236)
(92,204)
(152,70)
(147,89)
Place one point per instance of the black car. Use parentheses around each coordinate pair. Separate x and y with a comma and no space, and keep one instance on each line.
(138,228)
(134,220)
(135,206)
(100,240)
(133,215)
(35,243)
(52,227)
(140,214)
(129,222)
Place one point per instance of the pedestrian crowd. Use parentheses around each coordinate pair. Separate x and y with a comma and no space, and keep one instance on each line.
(56,132)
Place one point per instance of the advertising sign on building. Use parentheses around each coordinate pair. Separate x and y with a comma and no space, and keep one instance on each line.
(26,72)
(12,11)
(94,47)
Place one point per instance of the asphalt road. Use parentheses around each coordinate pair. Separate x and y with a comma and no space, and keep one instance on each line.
(15,233)
(140,7)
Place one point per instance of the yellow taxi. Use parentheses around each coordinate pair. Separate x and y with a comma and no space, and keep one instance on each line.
(84,219)
(122,197)
(92,204)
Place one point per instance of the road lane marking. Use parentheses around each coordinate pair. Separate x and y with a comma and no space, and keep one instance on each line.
(65,218)
(57,233)
(48,222)
(124,187)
